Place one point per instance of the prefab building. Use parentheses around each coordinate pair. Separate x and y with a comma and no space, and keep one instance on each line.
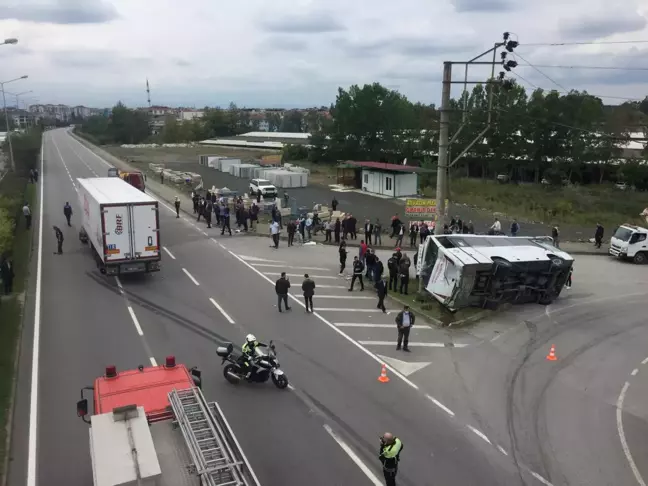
(393,180)
(225,164)
(243,171)
(285,178)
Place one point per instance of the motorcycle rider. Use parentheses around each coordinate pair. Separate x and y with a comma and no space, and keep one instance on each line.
(249,352)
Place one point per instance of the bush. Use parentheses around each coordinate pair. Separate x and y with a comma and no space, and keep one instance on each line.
(294,152)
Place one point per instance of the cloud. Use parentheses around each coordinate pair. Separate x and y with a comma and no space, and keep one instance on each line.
(284,43)
(95,58)
(408,46)
(310,23)
(483,5)
(181,62)
(601,26)
(58,11)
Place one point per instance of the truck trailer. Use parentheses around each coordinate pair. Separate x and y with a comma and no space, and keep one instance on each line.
(121,224)
(486,271)
(153,426)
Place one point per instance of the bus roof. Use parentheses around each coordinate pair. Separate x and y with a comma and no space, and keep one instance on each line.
(145,387)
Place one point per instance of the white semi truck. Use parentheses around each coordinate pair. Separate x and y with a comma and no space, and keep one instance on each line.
(629,243)
(121,224)
(485,271)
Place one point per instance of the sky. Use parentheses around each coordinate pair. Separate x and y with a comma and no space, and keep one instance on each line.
(296,53)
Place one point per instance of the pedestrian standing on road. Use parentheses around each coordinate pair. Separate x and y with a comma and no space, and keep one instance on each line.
(343,256)
(404,322)
(515,228)
(281,287)
(225,220)
(358,267)
(274,233)
(176,203)
(362,250)
(413,234)
(308,287)
(328,230)
(67,211)
(381,291)
(254,215)
(353,222)
(334,204)
(59,239)
(28,215)
(404,271)
(336,230)
(208,213)
(201,207)
(400,234)
(259,197)
(389,455)
(7,274)
(162,177)
(35,175)
(469,228)
(555,234)
(291,228)
(377,227)
(370,260)
(378,268)
(392,266)
(308,225)
(195,199)
(423,233)
(598,235)
(368,231)
(31,176)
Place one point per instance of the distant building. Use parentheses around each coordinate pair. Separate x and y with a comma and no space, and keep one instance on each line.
(188,114)
(392,180)
(63,112)
(21,118)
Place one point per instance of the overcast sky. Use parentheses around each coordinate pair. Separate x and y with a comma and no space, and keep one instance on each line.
(296,53)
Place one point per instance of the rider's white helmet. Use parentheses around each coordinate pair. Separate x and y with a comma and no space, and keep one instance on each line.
(250,338)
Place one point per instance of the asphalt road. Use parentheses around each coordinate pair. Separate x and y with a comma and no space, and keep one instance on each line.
(86,324)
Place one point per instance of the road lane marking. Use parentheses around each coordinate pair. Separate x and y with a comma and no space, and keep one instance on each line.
(354,297)
(440,405)
(83,161)
(540,478)
(294,267)
(502,450)
(222,311)
(153,362)
(168,252)
(135,321)
(478,433)
(332,286)
(635,371)
(353,456)
(372,310)
(65,165)
(427,345)
(301,275)
(622,437)
(358,324)
(644,361)
(190,276)
(100,158)
(331,325)
(33,398)
(205,233)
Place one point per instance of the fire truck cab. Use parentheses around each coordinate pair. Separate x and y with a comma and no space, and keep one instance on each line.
(153,426)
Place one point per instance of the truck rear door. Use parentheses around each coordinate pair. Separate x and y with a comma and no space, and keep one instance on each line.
(145,223)
(117,237)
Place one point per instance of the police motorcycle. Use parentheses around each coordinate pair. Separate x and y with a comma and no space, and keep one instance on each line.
(263,365)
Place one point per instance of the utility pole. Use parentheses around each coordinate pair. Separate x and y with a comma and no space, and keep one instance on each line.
(444,142)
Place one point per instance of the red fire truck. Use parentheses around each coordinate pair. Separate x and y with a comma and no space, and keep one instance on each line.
(153,426)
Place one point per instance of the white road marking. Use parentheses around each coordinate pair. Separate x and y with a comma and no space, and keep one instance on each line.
(479,433)
(293,267)
(205,233)
(257,259)
(635,371)
(190,276)
(540,478)
(502,450)
(644,361)
(405,367)
(338,309)
(332,286)
(100,158)
(168,252)
(440,405)
(426,345)
(153,362)
(315,277)
(357,324)
(353,456)
(135,321)
(331,325)
(354,297)
(64,164)
(83,161)
(33,398)
(622,437)
(222,311)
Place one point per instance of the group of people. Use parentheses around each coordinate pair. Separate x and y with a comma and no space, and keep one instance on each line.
(218,206)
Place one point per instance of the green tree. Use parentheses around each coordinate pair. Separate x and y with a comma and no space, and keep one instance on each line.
(292,122)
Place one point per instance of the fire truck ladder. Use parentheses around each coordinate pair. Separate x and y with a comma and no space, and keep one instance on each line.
(217,457)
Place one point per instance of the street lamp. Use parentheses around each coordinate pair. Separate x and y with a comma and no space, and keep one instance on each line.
(11,40)
(4,103)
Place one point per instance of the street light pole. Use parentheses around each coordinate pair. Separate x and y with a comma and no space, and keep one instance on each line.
(4,104)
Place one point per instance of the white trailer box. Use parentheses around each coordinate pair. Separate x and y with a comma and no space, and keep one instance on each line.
(225,164)
(122,224)
(243,171)
(213,162)
(284,178)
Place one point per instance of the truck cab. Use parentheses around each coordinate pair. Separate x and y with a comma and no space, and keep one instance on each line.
(629,243)
(153,425)
(135,179)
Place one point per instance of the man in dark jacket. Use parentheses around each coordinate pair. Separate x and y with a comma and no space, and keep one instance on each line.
(176,203)
(281,287)
(308,287)
(358,267)
(368,231)
(352,222)
(392,266)
(291,228)
(208,212)
(403,270)
(598,235)
(381,290)
(378,269)
(67,211)
(59,240)
(225,220)
(370,260)
(404,322)
(7,274)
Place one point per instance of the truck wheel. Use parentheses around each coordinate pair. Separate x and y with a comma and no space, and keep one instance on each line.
(640,258)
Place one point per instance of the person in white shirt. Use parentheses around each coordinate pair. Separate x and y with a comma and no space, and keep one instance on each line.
(309,227)
(496,228)
(28,215)
(274,231)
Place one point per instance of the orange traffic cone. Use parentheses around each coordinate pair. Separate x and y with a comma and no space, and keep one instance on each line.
(552,354)
(383,378)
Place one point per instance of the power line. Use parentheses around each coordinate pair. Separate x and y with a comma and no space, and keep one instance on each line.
(543,74)
(590,43)
(612,68)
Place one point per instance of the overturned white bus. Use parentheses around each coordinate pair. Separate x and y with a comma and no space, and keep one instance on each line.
(486,271)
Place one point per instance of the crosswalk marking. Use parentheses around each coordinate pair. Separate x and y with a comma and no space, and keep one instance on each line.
(314,277)
(334,309)
(295,267)
(426,345)
(360,324)
(354,297)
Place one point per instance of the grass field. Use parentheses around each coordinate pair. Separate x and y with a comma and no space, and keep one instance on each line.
(572,205)
(10,319)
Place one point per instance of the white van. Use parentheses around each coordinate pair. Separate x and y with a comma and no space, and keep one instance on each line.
(629,243)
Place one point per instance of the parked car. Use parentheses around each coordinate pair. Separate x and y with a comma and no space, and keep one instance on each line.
(263,187)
